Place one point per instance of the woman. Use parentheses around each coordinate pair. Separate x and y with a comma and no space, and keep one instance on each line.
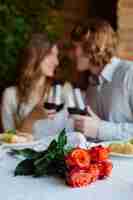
(22,105)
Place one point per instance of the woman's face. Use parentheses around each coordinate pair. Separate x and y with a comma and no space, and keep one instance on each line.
(50,62)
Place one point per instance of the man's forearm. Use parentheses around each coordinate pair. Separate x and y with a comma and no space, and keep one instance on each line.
(115,131)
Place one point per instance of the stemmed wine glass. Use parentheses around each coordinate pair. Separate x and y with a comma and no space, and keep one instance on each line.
(54,100)
(75,102)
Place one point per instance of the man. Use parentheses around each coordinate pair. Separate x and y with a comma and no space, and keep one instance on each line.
(110,103)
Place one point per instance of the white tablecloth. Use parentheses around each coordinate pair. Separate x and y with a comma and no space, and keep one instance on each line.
(117,187)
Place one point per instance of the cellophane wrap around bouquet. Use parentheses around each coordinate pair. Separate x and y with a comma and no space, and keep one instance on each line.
(77,166)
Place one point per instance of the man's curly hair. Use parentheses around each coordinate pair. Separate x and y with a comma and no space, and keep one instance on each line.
(98,40)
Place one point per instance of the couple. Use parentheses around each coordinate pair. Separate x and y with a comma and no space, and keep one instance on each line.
(110,102)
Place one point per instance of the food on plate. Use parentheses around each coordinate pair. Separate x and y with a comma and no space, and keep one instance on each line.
(8,138)
(116,147)
(124,148)
(131,141)
(11,137)
(128,148)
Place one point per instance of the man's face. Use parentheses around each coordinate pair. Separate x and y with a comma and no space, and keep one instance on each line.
(83,62)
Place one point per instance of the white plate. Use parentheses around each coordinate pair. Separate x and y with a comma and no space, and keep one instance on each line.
(20,145)
(73,138)
(113,153)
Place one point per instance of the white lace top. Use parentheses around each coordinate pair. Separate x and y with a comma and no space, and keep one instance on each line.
(10,106)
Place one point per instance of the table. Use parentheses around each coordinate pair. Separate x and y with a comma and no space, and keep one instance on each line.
(117,187)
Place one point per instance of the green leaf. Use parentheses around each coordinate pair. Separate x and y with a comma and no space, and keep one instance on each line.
(42,164)
(48,162)
(46,158)
(68,149)
(57,167)
(52,145)
(26,167)
(27,153)
(62,139)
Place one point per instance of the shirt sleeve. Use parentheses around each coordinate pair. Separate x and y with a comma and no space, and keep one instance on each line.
(7,111)
(115,131)
(123,130)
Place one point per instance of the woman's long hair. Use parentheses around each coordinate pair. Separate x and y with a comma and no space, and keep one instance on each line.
(29,68)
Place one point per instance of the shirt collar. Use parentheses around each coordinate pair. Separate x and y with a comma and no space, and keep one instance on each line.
(109,69)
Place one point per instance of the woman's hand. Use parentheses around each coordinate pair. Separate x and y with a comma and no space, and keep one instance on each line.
(88,125)
(50,113)
(28,137)
(38,113)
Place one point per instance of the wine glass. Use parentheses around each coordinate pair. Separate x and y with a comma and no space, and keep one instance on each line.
(54,100)
(75,102)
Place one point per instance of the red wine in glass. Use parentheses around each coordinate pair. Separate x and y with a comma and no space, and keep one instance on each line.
(54,101)
(76,103)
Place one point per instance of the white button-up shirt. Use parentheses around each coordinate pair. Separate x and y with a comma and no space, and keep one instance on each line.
(112,100)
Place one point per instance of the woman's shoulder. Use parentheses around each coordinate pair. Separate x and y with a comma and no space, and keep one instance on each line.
(10,91)
(9,94)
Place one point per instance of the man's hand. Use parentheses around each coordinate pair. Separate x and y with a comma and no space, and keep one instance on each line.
(88,125)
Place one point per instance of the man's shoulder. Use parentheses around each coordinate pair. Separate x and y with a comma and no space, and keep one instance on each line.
(126,63)
(125,67)
(125,72)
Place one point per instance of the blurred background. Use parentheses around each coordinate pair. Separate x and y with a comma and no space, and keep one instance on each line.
(19,19)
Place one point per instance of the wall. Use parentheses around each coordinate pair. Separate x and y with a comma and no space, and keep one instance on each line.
(125,27)
(118,12)
(74,11)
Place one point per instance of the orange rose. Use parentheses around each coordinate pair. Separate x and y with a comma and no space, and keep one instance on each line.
(94,170)
(105,169)
(78,178)
(99,153)
(78,158)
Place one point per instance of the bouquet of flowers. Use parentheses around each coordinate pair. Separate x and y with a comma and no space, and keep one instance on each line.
(77,166)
